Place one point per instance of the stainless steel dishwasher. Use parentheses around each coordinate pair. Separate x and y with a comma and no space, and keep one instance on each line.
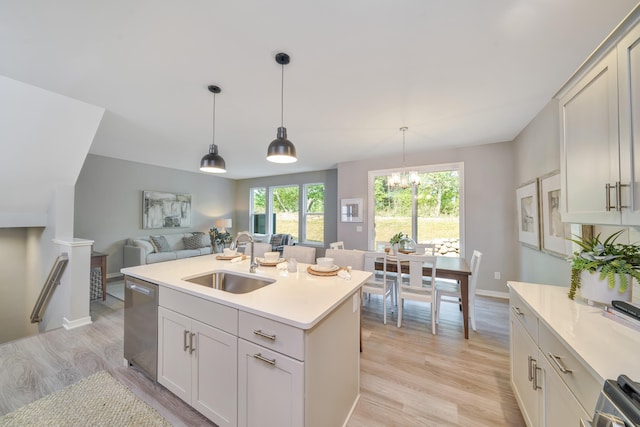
(141,325)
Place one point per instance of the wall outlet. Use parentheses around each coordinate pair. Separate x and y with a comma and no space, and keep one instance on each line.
(359,229)
(496,275)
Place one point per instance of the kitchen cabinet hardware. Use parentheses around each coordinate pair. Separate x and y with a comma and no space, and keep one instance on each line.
(534,370)
(259,356)
(556,360)
(192,347)
(517,311)
(186,346)
(264,335)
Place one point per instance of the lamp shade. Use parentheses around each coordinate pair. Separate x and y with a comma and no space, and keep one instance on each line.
(213,162)
(281,150)
(223,223)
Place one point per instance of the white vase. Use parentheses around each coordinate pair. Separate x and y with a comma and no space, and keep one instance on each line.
(593,289)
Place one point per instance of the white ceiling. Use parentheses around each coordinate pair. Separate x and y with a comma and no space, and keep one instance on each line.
(457,73)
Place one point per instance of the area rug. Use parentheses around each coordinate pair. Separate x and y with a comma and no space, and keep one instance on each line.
(98,400)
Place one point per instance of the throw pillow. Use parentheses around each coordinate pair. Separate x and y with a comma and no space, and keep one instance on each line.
(206,240)
(160,243)
(276,240)
(144,244)
(193,242)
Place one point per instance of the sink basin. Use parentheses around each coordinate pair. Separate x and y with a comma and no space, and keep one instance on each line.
(230,282)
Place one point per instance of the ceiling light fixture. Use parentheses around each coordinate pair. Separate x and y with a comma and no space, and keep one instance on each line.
(213,162)
(281,150)
(403,179)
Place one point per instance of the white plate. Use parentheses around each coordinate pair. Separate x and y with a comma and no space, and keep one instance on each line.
(324,269)
(264,261)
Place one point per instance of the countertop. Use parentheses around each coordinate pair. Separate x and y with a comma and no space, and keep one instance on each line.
(297,299)
(607,347)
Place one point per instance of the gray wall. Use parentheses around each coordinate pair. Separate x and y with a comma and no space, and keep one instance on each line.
(537,151)
(328,177)
(490,210)
(108,202)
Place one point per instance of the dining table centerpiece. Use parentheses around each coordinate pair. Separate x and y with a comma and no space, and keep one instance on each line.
(604,270)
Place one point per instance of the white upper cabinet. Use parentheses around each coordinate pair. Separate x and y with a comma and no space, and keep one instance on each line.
(589,140)
(598,112)
(629,120)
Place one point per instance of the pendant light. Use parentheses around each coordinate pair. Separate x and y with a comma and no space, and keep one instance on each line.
(213,162)
(403,179)
(281,150)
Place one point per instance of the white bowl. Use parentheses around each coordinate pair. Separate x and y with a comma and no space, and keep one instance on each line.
(230,252)
(271,256)
(324,262)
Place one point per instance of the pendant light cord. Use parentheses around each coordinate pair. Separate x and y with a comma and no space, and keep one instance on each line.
(214,120)
(282,97)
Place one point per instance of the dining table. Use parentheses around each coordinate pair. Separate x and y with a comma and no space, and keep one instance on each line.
(447,267)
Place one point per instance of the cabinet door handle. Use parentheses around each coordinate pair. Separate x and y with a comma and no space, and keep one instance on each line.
(529,369)
(193,347)
(262,334)
(619,195)
(186,346)
(556,360)
(607,200)
(535,370)
(259,356)
(517,311)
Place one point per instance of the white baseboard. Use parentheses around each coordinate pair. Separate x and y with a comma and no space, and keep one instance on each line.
(494,294)
(114,275)
(72,324)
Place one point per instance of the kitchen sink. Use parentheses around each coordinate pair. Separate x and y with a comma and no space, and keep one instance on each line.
(230,282)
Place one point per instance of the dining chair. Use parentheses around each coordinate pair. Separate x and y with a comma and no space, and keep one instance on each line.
(450,290)
(346,257)
(259,248)
(414,286)
(304,254)
(426,248)
(336,245)
(378,284)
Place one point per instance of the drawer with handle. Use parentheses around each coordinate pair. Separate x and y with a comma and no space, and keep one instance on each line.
(272,335)
(570,369)
(524,314)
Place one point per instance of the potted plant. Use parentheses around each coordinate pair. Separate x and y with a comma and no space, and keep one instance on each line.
(395,241)
(219,240)
(598,267)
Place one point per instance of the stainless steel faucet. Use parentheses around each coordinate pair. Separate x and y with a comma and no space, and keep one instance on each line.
(246,237)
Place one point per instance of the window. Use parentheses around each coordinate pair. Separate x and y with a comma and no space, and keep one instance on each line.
(314,213)
(258,210)
(280,211)
(285,210)
(428,213)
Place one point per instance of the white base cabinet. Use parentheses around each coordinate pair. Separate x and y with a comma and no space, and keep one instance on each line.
(270,388)
(198,363)
(551,386)
(238,368)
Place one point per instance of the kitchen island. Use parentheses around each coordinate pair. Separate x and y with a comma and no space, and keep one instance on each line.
(284,354)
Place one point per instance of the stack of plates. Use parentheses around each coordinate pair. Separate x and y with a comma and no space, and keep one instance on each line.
(324,269)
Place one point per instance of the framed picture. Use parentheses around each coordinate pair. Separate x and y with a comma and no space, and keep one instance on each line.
(528,215)
(554,231)
(165,210)
(351,210)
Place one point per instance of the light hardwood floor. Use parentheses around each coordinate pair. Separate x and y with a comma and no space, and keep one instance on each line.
(408,376)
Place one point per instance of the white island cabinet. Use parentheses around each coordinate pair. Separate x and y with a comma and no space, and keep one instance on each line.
(561,353)
(286,354)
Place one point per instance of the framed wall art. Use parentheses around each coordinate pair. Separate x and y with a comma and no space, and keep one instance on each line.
(555,233)
(528,214)
(351,210)
(165,210)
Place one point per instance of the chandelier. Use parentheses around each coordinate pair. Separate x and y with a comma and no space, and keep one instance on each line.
(403,179)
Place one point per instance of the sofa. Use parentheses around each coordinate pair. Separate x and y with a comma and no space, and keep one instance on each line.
(165,247)
(277,241)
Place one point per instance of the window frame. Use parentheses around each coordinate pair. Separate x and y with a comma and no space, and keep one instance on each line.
(457,166)
(305,213)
